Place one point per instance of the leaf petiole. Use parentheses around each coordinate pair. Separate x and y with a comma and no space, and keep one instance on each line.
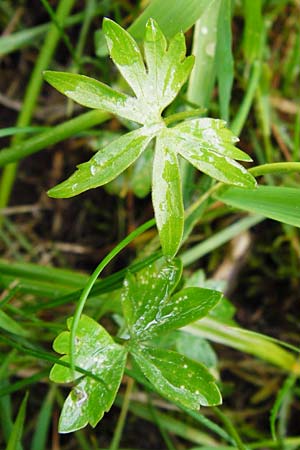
(91,281)
(177,117)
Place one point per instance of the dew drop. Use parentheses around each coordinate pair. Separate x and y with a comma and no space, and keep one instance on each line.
(204,30)
(93,170)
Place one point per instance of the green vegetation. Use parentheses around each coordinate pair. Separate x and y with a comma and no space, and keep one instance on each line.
(188,311)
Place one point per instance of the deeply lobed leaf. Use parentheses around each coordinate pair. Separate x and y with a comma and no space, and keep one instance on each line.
(149,307)
(96,352)
(205,143)
(184,307)
(178,378)
(167,197)
(92,93)
(126,55)
(145,291)
(105,165)
(212,134)
(168,69)
(209,161)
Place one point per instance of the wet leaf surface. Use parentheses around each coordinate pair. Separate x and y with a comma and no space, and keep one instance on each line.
(145,291)
(178,378)
(97,353)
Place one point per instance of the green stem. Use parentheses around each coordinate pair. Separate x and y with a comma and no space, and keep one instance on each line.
(243,112)
(60,28)
(87,19)
(20,39)
(122,417)
(203,198)
(230,428)
(32,93)
(159,424)
(184,115)
(218,239)
(281,167)
(91,281)
(53,136)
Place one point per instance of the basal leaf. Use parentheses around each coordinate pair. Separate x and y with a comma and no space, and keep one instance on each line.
(126,55)
(97,353)
(178,378)
(184,307)
(211,162)
(144,291)
(92,93)
(212,134)
(168,68)
(105,165)
(167,197)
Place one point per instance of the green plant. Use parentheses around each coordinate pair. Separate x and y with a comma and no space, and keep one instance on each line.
(205,143)
(96,360)
(37,298)
(150,309)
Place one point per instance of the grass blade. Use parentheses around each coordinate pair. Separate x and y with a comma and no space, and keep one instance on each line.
(224,58)
(17,430)
(169,16)
(275,202)
(205,38)
(39,439)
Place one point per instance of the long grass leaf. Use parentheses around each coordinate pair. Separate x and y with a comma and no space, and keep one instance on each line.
(17,430)
(169,16)
(275,202)
(224,58)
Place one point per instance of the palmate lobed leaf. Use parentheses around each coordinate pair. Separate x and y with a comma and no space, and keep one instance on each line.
(126,55)
(205,143)
(106,164)
(149,307)
(178,378)
(186,306)
(212,162)
(167,197)
(144,291)
(96,352)
(93,94)
(168,68)
(149,310)
(212,134)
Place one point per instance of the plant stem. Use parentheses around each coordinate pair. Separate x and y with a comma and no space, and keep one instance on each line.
(241,117)
(32,93)
(53,136)
(196,252)
(60,28)
(184,115)
(122,417)
(230,428)
(91,281)
(203,198)
(159,424)
(275,168)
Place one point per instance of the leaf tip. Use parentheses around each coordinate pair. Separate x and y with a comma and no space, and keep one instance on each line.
(60,191)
